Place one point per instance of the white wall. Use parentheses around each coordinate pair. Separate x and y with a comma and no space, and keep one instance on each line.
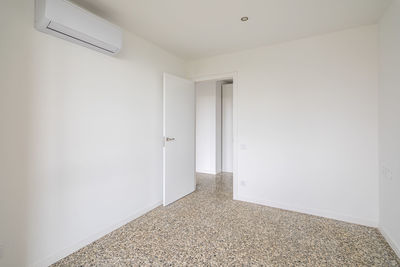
(15,52)
(227,128)
(218,127)
(307,123)
(389,126)
(92,127)
(206,125)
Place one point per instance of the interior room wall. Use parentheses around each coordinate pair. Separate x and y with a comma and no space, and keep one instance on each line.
(206,125)
(15,55)
(389,126)
(218,127)
(308,123)
(227,128)
(91,127)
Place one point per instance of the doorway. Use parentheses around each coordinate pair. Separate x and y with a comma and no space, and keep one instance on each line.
(215,127)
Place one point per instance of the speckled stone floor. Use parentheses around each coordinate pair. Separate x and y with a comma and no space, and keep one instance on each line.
(208,228)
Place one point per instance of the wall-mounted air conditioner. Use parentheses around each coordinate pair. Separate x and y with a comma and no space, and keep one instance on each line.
(68,21)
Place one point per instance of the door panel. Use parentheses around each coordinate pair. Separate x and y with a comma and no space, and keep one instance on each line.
(179,138)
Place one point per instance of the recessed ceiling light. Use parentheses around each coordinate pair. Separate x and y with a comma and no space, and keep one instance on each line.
(244,19)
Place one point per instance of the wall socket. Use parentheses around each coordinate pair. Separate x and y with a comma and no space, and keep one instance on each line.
(386,172)
(243,183)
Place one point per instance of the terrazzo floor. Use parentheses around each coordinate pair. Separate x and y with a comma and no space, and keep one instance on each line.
(208,228)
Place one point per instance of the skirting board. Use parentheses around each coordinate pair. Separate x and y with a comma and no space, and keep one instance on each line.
(67,251)
(319,213)
(391,242)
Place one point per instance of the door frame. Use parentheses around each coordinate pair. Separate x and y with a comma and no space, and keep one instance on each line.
(234,77)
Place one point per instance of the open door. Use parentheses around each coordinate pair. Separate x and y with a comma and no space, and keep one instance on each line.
(179,138)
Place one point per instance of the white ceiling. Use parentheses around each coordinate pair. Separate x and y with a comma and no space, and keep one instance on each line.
(194,29)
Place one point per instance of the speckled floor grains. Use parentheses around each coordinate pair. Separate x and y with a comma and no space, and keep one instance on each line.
(209,228)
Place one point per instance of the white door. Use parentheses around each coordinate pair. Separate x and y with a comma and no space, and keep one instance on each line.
(179,133)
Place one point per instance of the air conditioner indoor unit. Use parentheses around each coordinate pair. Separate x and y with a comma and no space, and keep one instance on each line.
(70,22)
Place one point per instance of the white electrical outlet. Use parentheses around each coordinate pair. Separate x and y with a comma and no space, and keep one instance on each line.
(243,183)
(386,172)
(389,174)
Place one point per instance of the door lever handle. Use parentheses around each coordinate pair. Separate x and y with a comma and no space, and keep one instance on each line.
(168,139)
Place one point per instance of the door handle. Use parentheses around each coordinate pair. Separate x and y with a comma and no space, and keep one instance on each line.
(168,139)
